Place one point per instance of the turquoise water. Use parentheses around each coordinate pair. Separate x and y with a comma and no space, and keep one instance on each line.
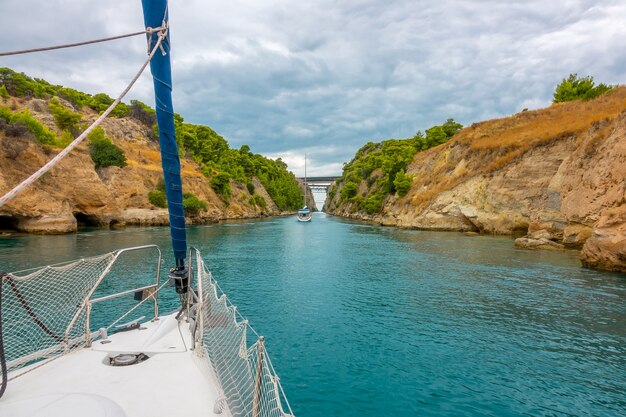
(366,321)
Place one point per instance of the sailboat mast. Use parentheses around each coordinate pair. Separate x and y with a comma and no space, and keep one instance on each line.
(305,180)
(156,15)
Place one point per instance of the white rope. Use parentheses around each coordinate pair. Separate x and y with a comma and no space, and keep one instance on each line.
(20,187)
(71,45)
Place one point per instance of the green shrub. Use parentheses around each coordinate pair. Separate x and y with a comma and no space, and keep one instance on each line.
(3,92)
(64,118)
(212,152)
(402,183)
(66,138)
(250,188)
(41,132)
(17,84)
(349,190)
(161,184)
(142,112)
(6,114)
(373,204)
(34,126)
(103,152)
(100,102)
(578,88)
(221,184)
(77,98)
(192,204)
(158,198)
(258,200)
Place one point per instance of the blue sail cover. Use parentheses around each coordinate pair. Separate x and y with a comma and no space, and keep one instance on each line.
(155,11)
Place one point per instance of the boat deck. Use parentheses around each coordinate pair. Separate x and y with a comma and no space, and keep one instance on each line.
(174,381)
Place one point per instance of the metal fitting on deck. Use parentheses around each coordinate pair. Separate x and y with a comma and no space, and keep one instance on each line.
(179,278)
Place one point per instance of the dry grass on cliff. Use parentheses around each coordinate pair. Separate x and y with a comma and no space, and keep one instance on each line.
(149,159)
(492,145)
(533,128)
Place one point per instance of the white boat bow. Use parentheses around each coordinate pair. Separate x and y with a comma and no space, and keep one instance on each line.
(203,360)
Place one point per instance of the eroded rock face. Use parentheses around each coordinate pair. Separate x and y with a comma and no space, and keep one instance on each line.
(575,235)
(606,248)
(145,217)
(49,225)
(541,243)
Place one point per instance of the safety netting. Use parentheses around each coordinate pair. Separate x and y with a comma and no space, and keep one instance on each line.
(44,312)
(236,354)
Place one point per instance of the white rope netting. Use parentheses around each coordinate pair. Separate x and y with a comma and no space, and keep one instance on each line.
(245,372)
(43,310)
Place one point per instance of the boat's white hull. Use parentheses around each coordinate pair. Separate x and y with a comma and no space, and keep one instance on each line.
(84,383)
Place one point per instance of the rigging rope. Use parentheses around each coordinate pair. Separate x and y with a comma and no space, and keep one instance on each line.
(20,187)
(30,311)
(71,45)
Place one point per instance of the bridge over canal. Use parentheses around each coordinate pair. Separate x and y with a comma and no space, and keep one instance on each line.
(319,183)
(319,188)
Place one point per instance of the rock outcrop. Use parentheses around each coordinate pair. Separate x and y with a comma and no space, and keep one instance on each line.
(606,248)
(556,175)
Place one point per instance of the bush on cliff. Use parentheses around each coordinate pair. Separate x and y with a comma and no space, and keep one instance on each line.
(212,152)
(143,113)
(402,183)
(221,184)
(349,190)
(192,204)
(157,198)
(100,102)
(258,200)
(578,88)
(103,152)
(64,118)
(374,203)
(34,126)
(77,98)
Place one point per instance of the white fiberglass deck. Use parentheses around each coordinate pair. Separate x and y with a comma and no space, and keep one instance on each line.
(174,382)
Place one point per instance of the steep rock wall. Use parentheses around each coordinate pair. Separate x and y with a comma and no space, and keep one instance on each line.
(567,187)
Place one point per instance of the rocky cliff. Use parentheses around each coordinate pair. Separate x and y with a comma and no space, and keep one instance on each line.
(556,175)
(75,193)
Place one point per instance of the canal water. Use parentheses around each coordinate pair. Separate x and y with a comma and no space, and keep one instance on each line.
(367,321)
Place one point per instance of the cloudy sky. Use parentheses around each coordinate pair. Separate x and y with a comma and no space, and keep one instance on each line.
(323,77)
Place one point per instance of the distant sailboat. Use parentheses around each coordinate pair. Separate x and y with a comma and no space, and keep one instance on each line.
(304,214)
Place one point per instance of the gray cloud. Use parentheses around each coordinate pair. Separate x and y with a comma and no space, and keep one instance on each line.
(325,77)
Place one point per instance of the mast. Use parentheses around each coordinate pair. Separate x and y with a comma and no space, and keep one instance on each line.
(305,180)
(156,15)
